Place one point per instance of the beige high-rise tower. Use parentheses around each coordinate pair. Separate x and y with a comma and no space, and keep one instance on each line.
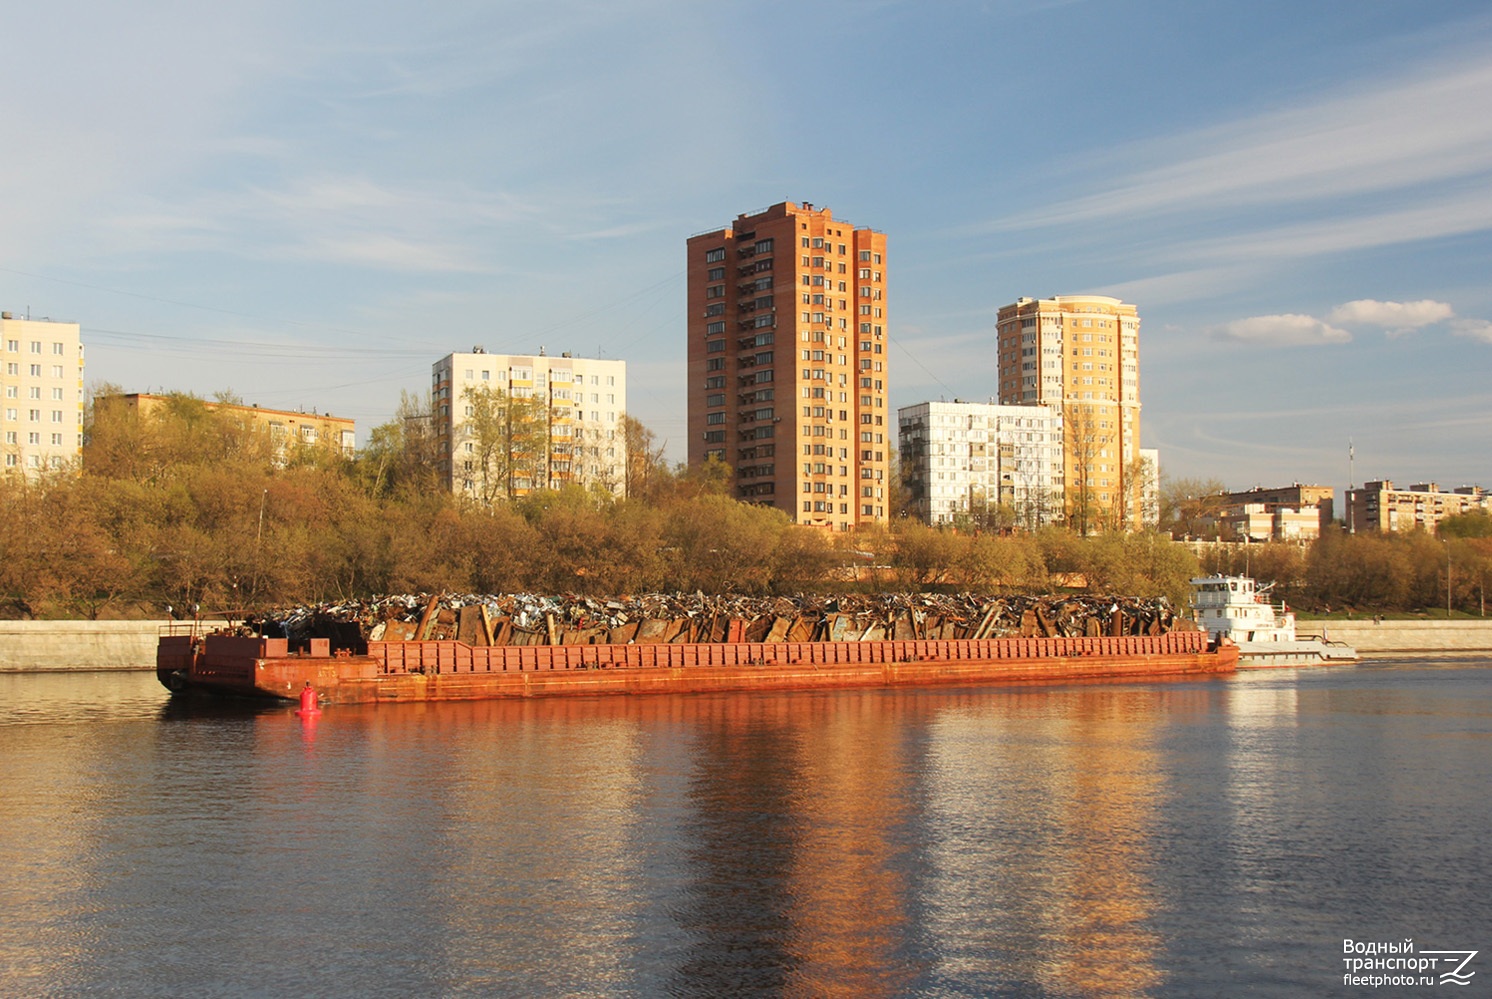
(788,362)
(1082,353)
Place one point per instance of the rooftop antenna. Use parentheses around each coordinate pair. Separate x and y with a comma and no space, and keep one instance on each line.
(1351,482)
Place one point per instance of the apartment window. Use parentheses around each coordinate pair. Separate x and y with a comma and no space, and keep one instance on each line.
(717,274)
(713,328)
(36,346)
(36,371)
(715,256)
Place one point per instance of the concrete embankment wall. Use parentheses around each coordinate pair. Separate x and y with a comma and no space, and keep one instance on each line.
(1404,636)
(77,645)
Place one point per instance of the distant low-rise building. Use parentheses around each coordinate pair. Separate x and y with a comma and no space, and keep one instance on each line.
(1265,522)
(1287,513)
(287,429)
(1380,506)
(1317,500)
(967,459)
(41,380)
(508,424)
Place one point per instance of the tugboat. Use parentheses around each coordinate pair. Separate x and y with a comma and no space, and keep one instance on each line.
(1237,608)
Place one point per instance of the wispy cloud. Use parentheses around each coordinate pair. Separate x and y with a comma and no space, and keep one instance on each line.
(1476,329)
(1288,330)
(1457,213)
(348,219)
(1424,129)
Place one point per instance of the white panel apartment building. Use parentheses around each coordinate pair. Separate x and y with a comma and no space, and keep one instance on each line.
(967,458)
(561,422)
(41,381)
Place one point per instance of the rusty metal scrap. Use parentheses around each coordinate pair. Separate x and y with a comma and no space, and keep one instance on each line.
(532,619)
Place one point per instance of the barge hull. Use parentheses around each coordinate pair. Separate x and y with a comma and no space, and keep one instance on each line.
(447,670)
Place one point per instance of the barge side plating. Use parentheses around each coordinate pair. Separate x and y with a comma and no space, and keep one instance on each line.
(449,670)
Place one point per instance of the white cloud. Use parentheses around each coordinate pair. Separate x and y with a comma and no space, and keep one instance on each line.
(1394,315)
(1397,317)
(1287,330)
(1476,329)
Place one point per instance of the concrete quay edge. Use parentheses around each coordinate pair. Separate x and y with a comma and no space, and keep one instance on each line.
(57,646)
(1404,636)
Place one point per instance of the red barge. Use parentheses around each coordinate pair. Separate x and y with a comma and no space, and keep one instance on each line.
(235,664)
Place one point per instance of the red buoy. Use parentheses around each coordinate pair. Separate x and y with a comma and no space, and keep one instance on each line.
(308,705)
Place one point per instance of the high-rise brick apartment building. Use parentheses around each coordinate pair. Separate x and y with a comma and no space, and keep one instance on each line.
(788,363)
(1082,353)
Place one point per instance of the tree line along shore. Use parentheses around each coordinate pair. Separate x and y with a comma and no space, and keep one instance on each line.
(187,507)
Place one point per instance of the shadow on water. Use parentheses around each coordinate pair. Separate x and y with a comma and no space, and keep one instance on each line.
(185,707)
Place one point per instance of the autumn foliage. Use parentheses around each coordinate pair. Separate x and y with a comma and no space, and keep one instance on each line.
(187,507)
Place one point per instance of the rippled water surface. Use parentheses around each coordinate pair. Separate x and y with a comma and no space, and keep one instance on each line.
(1186,838)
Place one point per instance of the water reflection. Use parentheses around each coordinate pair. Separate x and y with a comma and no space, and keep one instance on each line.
(795,846)
(1044,883)
(1080,840)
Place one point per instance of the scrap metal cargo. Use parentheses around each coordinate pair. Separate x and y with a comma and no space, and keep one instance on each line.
(527,619)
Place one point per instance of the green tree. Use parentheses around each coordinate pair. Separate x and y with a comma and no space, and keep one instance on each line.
(1472,524)
(722,546)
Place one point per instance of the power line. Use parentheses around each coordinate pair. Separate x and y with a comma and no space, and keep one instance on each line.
(919,364)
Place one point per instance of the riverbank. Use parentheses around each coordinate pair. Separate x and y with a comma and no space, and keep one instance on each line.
(1404,636)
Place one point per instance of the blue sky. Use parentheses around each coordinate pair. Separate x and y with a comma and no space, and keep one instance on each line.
(308,203)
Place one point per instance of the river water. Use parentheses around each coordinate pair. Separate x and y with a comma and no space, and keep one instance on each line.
(1189,838)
